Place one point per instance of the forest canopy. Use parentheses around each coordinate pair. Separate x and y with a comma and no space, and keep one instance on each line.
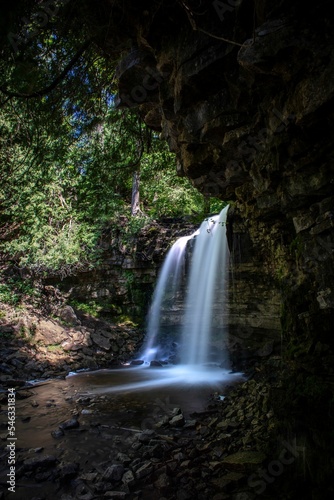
(68,156)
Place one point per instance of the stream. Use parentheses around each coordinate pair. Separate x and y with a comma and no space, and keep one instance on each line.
(110,407)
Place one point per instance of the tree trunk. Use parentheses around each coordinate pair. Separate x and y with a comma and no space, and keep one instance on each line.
(135,209)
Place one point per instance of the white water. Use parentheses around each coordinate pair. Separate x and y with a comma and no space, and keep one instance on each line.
(166,290)
(206,283)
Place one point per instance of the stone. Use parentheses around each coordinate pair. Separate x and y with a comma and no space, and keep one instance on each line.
(177,421)
(68,471)
(57,433)
(144,470)
(128,478)
(162,482)
(39,462)
(67,314)
(243,460)
(101,341)
(49,333)
(69,424)
(114,473)
(146,436)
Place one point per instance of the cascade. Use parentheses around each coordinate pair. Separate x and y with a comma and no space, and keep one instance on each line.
(166,290)
(206,283)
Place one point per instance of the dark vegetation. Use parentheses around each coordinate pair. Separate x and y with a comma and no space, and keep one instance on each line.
(68,156)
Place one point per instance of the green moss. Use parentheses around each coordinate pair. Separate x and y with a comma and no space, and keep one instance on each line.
(92,307)
(296,247)
(54,348)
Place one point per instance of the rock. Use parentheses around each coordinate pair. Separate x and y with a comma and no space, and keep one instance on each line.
(122,457)
(68,315)
(128,478)
(69,424)
(87,412)
(156,363)
(49,333)
(137,362)
(144,470)
(146,436)
(162,482)
(57,433)
(243,460)
(114,473)
(40,462)
(68,471)
(101,341)
(228,480)
(177,421)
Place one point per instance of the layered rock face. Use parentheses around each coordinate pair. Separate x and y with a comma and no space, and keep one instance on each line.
(122,284)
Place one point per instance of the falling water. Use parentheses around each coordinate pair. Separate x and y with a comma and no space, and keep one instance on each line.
(165,293)
(206,285)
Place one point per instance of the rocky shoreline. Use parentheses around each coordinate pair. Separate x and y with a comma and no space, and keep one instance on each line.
(235,449)
(220,453)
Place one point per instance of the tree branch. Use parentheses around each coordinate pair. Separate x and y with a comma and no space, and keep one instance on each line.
(55,82)
(196,28)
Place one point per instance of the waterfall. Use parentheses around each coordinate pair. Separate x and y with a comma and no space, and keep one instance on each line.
(205,287)
(207,282)
(166,291)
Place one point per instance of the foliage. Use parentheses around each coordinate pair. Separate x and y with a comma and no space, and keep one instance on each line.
(92,308)
(14,289)
(67,156)
(7,296)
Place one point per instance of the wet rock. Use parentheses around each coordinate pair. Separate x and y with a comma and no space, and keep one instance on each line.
(137,362)
(69,424)
(156,363)
(57,433)
(40,462)
(21,394)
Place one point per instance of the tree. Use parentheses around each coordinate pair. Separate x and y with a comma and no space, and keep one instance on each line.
(69,161)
